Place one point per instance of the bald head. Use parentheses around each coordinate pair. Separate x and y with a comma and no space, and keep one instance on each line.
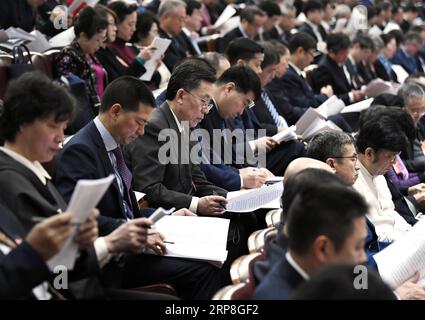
(301,164)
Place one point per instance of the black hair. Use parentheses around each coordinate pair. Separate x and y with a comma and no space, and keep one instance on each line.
(127,91)
(303,40)
(245,79)
(328,210)
(31,97)
(189,75)
(242,48)
(337,42)
(122,9)
(145,20)
(90,21)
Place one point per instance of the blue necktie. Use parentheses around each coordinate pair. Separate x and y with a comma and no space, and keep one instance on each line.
(126,178)
(269,104)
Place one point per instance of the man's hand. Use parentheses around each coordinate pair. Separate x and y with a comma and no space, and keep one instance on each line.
(327,90)
(49,236)
(212,205)
(358,95)
(129,237)
(420,187)
(156,244)
(265,143)
(87,231)
(184,212)
(252,177)
(411,290)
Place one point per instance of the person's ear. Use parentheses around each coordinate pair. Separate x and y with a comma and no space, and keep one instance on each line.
(369,153)
(115,111)
(229,87)
(179,96)
(323,249)
(299,51)
(330,162)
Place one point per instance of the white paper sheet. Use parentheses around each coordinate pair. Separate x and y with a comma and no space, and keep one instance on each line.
(331,106)
(358,106)
(199,238)
(86,196)
(250,200)
(161,46)
(63,39)
(399,261)
(227,13)
(286,135)
(139,195)
(400,72)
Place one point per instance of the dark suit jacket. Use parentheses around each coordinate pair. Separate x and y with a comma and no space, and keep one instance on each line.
(108,58)
(17,13)
(187,44)
(85,157)
(22,192)
(329,73)
(299,91)
(174,53)
(227,38)
(290,112)
(23,268)
(166,185)
(280,282)
(408,63)
(382,73)
(307,29)
(284,37)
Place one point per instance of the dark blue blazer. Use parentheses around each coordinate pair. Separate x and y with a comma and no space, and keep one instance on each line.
(23,268)
(280,283)
(174,53)
(299,91)
(85,157)
(408,63)
(307,29)
(329,73)
(285,108)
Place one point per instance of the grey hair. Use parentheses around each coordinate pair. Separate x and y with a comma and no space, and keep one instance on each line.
(411,91)
(168,6)
(328,144)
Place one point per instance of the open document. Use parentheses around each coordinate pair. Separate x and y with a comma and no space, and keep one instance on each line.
(251,200)
(400,73)
(332,106)
(285,135)
(402,259)
(199,238)
(161,46)
(378,86)
(358,106)
(311,122)
(86,196)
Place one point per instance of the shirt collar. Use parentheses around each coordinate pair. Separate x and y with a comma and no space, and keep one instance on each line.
(364,171)
(296,266)
(35,166)
(107,138)
(179,126)
(297,70)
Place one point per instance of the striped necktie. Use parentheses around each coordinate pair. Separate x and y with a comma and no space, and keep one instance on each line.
(269,104)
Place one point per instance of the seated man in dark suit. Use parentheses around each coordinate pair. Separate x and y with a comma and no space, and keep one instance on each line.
(273,13)
(406,54)
(252,19)
(333,70)
(325,225)
(172,14)
(313,11)
(95,152)
(302,47)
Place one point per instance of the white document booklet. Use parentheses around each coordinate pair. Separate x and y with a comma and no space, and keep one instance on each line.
(191,237)
(161,46)
(86,196)
(250,200)
(402,259)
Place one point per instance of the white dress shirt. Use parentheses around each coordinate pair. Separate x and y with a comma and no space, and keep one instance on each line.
(389,224)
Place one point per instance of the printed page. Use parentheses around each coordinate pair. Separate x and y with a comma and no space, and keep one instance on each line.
(358,106)
(251,200)
(399,261)
(227,13)
(86,196)
(161,46)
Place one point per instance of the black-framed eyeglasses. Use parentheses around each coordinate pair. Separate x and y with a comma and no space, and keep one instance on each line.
(206,104)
